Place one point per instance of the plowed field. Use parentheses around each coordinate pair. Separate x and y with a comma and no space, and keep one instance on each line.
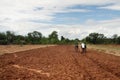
(59,63)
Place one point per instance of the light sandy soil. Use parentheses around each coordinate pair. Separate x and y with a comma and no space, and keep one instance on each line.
(109,49)
(16,48)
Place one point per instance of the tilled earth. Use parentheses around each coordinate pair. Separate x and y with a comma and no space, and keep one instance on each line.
(59,63)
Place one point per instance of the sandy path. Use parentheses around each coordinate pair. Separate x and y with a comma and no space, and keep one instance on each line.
(16,48)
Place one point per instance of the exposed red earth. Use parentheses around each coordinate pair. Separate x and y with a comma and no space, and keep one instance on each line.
(59,63)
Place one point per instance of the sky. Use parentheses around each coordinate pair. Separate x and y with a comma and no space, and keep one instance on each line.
(70,18)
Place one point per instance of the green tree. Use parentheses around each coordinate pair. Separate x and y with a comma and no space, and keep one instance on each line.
(35,37)
(95,38)
(44,40)
(10,37)
(114,38)
(53,37)
(19,39)
(62,38)
(3,38)
(118,40)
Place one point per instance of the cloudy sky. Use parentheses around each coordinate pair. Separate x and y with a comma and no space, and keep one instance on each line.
(71,18)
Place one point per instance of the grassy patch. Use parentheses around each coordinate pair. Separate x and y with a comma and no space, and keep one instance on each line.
(111,49)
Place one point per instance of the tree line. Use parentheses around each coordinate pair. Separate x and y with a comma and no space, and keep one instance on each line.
(98,38)
(34,37)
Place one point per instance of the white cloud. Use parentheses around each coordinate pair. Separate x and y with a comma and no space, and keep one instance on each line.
(107,27)
(112,7)
(23,9)
(15,15)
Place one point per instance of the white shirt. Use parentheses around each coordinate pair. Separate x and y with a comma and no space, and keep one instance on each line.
(83,45)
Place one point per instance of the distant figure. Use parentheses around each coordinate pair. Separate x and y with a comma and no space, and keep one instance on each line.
(83,47)
(76,46)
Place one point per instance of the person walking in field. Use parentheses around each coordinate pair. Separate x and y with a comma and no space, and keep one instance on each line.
(83,47)
(76,46)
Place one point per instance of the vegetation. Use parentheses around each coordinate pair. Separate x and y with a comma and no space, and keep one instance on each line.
(36,37)
(110,49)
(97,38)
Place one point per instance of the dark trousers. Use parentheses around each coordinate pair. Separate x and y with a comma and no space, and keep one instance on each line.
(76,48)
(83,50)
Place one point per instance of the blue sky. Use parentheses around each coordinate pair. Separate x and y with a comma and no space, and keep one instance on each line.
(80,17)
(70,18)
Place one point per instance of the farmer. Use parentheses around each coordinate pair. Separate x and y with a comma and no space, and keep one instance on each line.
(76,46)
(83,47)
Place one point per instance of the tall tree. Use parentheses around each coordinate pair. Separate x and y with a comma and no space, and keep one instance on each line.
(114,38)
(118,40)
(95,38)
(35,37)
(53,37)
(3,38)
(10,37)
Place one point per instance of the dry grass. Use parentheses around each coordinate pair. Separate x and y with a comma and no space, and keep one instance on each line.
(110,49)
(16,48)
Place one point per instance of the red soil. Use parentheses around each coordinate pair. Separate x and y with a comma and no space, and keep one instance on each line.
(59,63)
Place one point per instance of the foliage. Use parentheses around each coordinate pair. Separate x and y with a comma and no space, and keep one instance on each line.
(10,37)
(53,37)
(36,37)
(3,38)
(97,38)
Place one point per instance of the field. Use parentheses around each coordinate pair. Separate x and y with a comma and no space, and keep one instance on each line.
(17,48)
(60,63)
(110,49)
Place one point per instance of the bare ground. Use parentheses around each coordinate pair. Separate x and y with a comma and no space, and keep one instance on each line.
(59,63)
(16,48)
